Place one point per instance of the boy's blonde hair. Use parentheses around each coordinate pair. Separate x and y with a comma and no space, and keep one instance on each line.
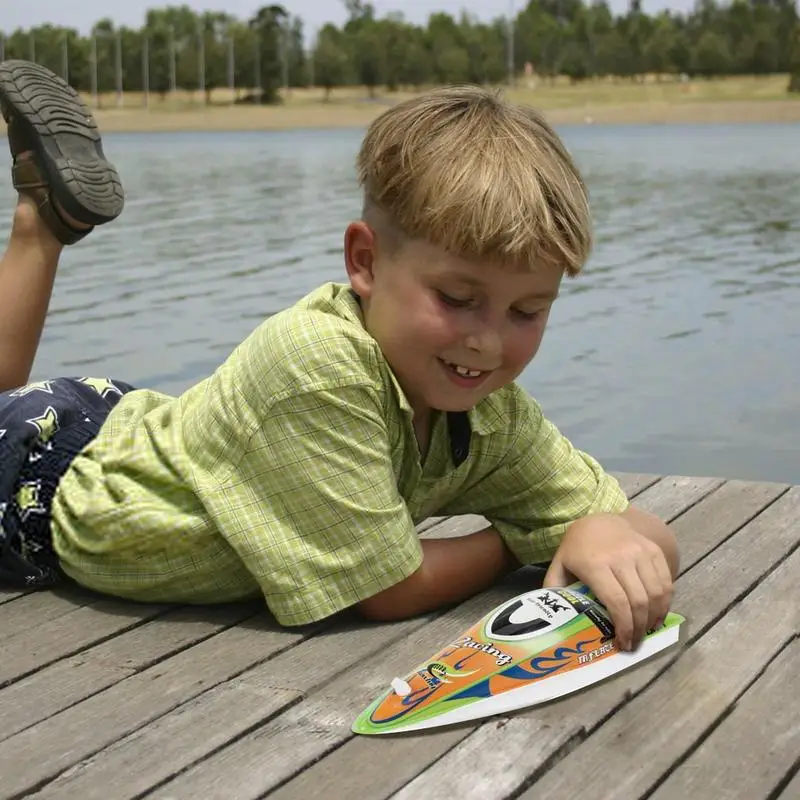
(485,179)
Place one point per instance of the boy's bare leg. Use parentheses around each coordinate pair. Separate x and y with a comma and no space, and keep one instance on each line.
(66,187)
(27,272)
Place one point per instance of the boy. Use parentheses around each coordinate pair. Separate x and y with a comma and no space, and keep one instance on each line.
(299,469)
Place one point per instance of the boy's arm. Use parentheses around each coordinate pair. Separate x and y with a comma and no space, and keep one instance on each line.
(553,503)
(454,569)
(451,570)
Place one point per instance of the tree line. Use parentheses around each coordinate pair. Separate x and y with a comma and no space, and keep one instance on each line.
(177,48)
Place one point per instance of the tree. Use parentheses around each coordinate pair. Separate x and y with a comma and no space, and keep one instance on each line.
(332,66)
(711,55)
(180,48)
(794,61)
(270,28)
(365,44)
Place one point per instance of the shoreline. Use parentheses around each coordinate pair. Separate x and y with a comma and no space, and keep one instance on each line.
(358,115)
(745,99)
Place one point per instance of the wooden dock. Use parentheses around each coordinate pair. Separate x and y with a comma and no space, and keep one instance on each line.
(116,701)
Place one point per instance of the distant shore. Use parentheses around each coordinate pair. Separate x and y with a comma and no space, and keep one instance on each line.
(243,118)
(740,99)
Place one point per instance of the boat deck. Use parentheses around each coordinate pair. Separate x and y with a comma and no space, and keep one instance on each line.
(112,700)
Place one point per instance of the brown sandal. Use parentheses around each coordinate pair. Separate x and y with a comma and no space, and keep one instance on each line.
(46,117)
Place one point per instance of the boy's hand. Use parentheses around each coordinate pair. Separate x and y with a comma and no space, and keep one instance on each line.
(628,573)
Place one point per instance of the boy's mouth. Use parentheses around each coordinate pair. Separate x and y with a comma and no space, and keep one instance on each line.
(464,374)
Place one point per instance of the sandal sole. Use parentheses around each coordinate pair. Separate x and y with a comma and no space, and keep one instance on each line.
(65,137)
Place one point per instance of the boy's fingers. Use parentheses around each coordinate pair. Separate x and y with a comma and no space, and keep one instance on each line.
(658,592)
(639,602)
(556,575)
(665,576)
(612,595)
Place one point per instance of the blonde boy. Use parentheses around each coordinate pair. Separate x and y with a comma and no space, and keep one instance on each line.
(298,470)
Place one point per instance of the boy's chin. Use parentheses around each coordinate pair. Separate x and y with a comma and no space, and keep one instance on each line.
(454,407)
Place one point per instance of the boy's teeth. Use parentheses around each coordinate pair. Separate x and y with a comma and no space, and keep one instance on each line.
(464,372)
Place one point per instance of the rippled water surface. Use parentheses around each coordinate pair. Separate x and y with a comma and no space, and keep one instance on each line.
(677,352)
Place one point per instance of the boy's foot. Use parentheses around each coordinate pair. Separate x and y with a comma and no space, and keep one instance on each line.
(64,171)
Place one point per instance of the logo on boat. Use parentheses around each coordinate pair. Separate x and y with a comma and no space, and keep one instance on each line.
(532,614)
(436,673)
(587,658)
(501,658)
(437,670)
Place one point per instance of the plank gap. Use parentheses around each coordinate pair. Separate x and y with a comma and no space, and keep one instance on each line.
(756,513)
(692,503)
(572,743)
(125,671)
(70,653)
(245,732)
(778,793)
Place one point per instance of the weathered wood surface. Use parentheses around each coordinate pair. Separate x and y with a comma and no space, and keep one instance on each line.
(103,699)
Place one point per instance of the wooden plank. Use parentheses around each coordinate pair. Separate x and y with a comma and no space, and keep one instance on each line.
(276,751)
(39,753)
(721,514)
(69,634)
(67,682)
(430,522)
(451,527)
(634,483)
(306,732)
(763,731)
(504,754)
(7,595)
(40,607)
(171,742)
(639,744)
(674,495)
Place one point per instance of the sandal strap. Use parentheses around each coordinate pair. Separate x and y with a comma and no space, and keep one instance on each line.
(17,142)
(27,179)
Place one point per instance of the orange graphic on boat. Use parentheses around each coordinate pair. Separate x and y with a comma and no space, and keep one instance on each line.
(452,673)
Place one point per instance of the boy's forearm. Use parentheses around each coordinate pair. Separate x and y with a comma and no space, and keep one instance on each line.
(460,567)
(451,571)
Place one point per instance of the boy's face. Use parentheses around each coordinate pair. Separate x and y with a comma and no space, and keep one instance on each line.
(452,331)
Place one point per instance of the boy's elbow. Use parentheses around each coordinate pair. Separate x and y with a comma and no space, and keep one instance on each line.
(376,609)
(404,600)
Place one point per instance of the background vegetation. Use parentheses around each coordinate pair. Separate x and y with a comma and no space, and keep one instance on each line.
(179,49)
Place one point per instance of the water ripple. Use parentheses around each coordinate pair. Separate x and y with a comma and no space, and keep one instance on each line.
(676,351)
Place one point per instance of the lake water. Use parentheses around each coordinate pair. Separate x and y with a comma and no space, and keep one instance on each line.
(677,352)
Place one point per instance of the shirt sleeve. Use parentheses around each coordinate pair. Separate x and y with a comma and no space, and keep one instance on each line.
(312,507)
(542,485)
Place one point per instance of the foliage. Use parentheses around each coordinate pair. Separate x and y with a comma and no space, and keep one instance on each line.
(794,61)
(178,48)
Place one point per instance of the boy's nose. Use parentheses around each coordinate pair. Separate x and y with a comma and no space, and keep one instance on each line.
(486,341)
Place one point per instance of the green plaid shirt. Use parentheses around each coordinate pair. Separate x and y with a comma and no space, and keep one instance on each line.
(294,472)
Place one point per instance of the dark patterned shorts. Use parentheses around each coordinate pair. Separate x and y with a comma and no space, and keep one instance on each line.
(43,426)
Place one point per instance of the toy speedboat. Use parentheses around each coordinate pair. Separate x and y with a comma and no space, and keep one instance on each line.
(533,648)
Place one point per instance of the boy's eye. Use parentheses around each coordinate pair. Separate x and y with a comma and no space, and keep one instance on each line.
(528,316)
(455,302)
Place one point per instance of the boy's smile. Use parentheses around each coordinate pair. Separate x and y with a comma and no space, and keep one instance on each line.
(453,331)
(464,376)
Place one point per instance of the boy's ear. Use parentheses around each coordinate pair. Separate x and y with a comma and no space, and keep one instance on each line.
(359,257)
